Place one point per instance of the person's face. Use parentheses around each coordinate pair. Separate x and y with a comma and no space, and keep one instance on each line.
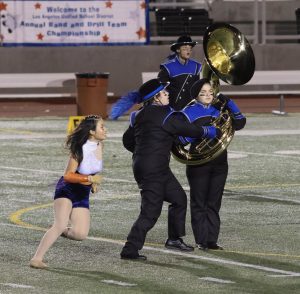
(163,97)
(205,95)
(184,52)
(100,131)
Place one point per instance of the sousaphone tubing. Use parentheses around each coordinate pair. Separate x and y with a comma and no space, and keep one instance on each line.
(229,57)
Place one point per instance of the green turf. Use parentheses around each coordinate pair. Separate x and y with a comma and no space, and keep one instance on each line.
(260,217)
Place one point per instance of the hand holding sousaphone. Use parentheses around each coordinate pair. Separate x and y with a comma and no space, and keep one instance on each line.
(229,57)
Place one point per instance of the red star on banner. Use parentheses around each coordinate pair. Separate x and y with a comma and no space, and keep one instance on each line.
(38,6)
(40,36)
(141,33)
(143,5)
(108,4)
(105,38)
(2,6)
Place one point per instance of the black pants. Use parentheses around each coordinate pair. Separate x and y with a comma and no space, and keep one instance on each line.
(206,190)
(155,189)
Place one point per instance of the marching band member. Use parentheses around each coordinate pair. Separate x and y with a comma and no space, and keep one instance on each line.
(150,136)
(71,199)
(181,71)
(207,181)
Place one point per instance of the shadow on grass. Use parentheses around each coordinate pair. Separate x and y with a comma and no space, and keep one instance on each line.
(115,281)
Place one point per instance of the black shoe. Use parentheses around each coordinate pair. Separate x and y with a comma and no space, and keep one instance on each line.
(214,246)
(133,257)
(178,245)
(202,247)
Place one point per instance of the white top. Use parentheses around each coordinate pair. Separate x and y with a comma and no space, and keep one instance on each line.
(90,164)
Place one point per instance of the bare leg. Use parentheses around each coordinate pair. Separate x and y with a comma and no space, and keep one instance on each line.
(80,224)
(62,211)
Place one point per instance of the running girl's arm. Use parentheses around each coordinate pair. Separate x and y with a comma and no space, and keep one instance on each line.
(71,176)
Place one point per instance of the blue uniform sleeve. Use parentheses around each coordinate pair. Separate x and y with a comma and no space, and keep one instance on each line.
(238,119)
(176,124)
(124,104)
(209,132)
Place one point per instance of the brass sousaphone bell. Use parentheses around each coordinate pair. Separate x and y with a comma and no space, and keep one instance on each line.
(229,57)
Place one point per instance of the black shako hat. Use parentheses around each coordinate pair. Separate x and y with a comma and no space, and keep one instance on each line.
(197,86)
(150,88)
(183,40)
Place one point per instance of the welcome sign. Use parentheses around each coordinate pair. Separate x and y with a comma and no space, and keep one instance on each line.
(56,23)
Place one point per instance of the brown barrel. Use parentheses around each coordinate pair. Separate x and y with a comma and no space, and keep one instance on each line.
(91,95)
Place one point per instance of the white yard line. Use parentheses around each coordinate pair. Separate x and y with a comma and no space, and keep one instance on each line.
(59,173)
(32,135)
(265,154)
(11,225)
(272,198)
(114,135)
(17,285)
(226,261)
(22,200)
(25,134)
(115,197)
(259,133)
(119,180)
(211,259)
(30,170)
(288,152)
(119,283)
(186,188)
(211,279)
(275,272)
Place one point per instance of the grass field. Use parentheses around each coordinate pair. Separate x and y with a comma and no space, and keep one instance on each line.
(260,217)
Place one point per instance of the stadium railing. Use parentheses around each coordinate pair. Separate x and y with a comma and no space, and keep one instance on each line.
(260,27)
(38,85)
(263,83)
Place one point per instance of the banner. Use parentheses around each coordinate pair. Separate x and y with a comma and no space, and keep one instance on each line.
(59,23)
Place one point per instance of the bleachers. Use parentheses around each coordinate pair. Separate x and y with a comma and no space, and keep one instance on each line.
(169,22)
(260,21)
(178,21)
(196,21)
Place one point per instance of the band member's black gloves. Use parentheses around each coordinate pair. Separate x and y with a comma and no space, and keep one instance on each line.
(221,101)
(227,104)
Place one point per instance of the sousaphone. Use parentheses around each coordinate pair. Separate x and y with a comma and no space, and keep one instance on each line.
(229,57)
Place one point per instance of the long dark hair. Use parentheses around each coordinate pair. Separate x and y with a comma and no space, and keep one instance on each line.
(80,135)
